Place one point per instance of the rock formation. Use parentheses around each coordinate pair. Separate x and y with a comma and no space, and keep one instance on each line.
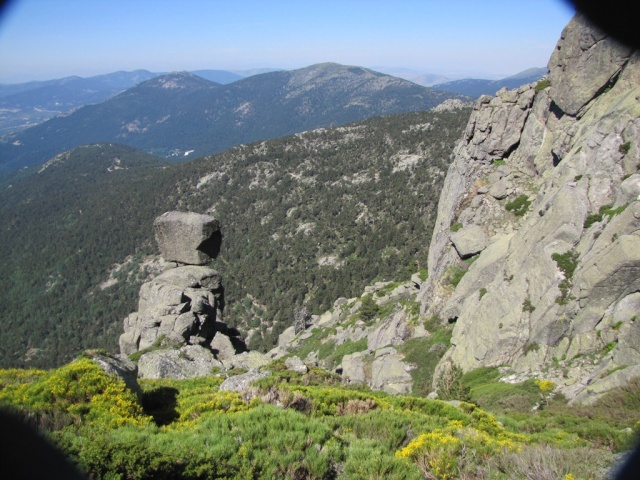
(178,329)
(377,364)
(543,198)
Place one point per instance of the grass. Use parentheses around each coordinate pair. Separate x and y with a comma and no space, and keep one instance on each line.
(542,84)
(456,272)
(605,210)
(424,354)
(519,206)
(157,345)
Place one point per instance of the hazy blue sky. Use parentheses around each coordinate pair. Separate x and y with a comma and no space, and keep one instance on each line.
(42,39)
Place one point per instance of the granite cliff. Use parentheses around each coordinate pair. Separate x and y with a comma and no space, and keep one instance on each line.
(536,251)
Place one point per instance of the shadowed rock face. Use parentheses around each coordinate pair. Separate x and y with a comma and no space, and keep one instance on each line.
(187,237)
(585,61)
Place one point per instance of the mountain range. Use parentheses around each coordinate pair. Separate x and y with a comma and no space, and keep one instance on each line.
(24,105)
(27,104)
(181,115)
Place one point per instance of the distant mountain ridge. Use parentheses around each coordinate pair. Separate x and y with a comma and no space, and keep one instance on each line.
(475,87)
(23,105)
(181,115)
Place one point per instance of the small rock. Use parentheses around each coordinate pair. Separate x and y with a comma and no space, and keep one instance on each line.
(240,383)
(296,365)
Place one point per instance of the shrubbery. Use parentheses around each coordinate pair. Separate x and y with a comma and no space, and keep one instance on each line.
(296,426)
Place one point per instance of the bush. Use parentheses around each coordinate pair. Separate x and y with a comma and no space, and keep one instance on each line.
(624,148)
(567,263)
(607,210)
(519,206)
(542,84)
(451,386)
(368,309)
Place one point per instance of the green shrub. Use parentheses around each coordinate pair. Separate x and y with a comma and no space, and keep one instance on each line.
(203,433)
(542,84)
(456,272)
(624,148)
(368,309)
(527,306)
(531,347)
(567,263)
(451,386)
(607,210)
(455,227)
(519,206)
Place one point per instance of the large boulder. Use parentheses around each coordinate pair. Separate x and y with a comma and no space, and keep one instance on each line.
(187,237)
(390,373)
(120,367)
(353,368)
(584,62)
(189,361)
(470,240)
(393,331)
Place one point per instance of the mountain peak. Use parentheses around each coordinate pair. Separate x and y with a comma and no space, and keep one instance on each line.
(178,81)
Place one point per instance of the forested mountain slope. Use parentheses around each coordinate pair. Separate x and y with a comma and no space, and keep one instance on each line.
(183,116)
(306,219)
(24,105)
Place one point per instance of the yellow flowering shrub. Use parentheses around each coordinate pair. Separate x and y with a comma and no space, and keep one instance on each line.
(80,389)
(435,453)
(217,402)
(545,386)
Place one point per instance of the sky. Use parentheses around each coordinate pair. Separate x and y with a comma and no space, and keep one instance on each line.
(46,39)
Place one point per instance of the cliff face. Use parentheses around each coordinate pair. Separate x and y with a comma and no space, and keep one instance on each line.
(540,216)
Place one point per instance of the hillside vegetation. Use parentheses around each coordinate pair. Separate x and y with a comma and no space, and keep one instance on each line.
(306,219)
(295,426)
(182,116)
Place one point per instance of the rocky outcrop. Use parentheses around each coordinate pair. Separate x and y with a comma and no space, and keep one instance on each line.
(120,367)
(179,307)
(545,181)
(178,330)
(376,363)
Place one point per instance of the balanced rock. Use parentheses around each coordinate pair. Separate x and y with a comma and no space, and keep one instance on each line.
(187,237)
